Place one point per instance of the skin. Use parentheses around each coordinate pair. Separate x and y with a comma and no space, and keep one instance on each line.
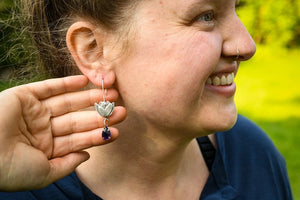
(41,137)
(180,51)
(161,79)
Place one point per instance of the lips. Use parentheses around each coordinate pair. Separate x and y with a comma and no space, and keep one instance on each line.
(224,79)
(221,81)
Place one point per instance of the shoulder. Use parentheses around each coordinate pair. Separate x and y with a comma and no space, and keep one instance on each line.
(64,189)
(252,162)
(246,128)
(247,142)
(247,137)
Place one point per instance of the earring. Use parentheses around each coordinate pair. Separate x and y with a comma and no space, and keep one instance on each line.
(105,109)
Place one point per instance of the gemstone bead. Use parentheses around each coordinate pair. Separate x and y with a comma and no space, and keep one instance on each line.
(106,133)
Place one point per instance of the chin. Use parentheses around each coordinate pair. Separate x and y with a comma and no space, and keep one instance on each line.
(227,123)
(225,120)
(220,120)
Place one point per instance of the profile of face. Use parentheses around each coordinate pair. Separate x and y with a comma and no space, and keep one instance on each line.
(176,73)
(178,48)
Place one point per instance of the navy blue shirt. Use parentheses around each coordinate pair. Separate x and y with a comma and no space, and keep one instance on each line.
(246,166)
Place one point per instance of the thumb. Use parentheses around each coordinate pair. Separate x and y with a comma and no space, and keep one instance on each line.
(63,166)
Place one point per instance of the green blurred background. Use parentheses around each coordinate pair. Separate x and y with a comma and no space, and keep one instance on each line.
(268,89)
(268,86)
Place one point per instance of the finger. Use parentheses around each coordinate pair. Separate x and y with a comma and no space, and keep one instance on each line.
(52,87)
(79,141)
(76,122)
(74,101)
(63,166)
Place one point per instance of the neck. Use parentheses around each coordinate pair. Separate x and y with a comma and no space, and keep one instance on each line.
(151,162)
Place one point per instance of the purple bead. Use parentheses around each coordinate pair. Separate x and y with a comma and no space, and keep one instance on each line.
(106,133)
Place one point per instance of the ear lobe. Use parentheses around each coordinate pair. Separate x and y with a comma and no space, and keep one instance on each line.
(85,43)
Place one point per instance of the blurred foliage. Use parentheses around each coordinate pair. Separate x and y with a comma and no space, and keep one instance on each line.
(272,22)
(17,55)
(5,6)
(5,31)
(268,87)
(268,92)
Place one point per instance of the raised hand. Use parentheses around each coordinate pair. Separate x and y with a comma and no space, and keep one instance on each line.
(42,133)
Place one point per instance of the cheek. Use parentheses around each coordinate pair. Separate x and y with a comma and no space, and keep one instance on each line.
(199,57)
(189,62)
(167,75)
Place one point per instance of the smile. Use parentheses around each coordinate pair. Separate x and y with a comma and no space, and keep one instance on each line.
(224,80)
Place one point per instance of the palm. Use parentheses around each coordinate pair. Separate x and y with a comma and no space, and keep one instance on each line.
(41,138)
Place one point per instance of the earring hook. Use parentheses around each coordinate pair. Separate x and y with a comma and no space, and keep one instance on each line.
(104,91)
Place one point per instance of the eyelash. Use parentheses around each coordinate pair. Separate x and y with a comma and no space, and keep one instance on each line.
(206,20)
(203,17)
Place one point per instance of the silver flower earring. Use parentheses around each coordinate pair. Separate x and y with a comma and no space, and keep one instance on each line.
(105,109)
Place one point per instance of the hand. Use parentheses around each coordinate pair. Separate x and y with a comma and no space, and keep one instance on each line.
(42,138)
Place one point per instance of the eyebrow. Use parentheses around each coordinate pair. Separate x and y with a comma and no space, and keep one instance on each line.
(195,4)
(237,2)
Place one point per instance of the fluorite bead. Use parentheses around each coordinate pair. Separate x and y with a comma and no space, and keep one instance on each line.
(106,133)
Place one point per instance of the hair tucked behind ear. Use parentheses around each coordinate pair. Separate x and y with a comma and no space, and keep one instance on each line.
(48,22)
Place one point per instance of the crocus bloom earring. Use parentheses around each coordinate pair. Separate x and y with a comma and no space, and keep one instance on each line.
(105,109)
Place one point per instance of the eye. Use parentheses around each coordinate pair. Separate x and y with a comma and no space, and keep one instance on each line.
(206,17)
(206,21)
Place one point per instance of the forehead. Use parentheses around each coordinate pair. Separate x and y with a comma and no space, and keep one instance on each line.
(206,1)
(185,5)
(191,3)
(179,11)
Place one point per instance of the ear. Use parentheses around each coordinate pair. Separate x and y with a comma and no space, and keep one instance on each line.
(87,44)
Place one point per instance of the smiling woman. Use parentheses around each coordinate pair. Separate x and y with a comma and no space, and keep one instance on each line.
(173,66)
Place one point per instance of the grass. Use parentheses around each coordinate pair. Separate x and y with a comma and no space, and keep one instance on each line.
(268,92)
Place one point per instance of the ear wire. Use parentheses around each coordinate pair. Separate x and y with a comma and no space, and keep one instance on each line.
(104,91)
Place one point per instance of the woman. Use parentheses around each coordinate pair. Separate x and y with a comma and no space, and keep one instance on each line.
(172,62)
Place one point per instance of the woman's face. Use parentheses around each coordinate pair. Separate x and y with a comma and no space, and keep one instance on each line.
(176,48)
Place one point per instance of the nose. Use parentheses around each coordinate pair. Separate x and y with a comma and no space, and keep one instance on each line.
(237,42)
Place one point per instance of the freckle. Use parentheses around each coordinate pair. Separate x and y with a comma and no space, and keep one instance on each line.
(146,85)
(123,92)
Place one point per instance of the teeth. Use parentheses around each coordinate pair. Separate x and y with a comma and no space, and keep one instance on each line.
(209,81)
(230,78)
(216,81)
(224,80)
